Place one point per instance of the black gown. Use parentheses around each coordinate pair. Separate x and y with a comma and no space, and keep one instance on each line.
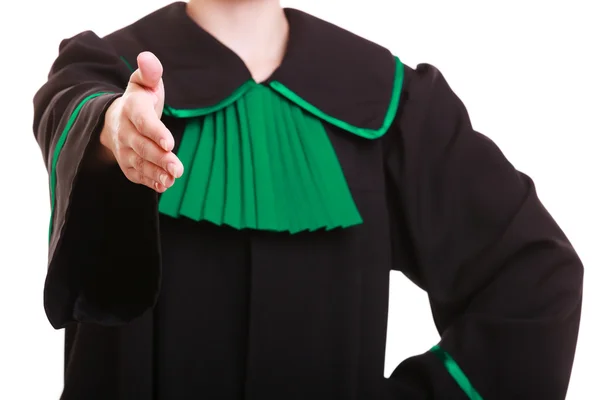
(157,307)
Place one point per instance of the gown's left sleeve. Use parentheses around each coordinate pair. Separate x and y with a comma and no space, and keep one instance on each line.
(504,283)
(104,262)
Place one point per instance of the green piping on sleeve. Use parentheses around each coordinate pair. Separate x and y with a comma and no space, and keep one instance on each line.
(131,69)
(363,132)
(456,373)
(59,146)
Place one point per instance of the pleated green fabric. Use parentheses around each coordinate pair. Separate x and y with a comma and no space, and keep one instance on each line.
(260,162)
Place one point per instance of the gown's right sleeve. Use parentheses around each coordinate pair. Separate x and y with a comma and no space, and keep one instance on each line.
(504,283)
(103,256)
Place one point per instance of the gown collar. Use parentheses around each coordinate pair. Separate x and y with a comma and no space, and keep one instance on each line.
(349,79)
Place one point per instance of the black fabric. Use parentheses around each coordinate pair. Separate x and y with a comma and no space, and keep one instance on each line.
(503,281)
(343,75)
(170,309)
(199,71)
(81,280)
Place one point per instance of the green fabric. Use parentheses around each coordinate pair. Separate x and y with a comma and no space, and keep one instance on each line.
(197,112)
(293,97)
(261,159)
(456,372)
(131,69)
(59,146)
(260,162)
(363,132)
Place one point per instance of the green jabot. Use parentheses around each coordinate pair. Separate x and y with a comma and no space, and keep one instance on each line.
(261,159)
(260,162)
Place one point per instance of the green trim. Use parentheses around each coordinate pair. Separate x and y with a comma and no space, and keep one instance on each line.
(456,373)
(131,69)
(261,163)
(59,146)
(293,97)
(363,132)
(198,112)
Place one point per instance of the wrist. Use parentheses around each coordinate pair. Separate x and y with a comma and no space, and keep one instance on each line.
(104,151)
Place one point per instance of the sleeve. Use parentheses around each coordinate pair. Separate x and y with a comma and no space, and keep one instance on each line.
(103,257)
(503,281)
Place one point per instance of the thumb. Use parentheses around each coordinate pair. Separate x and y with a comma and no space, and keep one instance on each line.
(148,76)
(149,72)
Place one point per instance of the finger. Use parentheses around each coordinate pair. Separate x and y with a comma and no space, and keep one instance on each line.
(148,169)
(148,150)
(141,114)
(148,79)
(149,72)
(137,177)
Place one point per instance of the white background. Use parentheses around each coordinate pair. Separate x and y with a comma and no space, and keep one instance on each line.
(527,71)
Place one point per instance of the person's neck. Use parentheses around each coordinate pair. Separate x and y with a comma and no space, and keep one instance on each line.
(256,30)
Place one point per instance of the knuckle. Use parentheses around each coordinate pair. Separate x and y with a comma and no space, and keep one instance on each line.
(143,148)
(138,163)
(163,161)
(140,177)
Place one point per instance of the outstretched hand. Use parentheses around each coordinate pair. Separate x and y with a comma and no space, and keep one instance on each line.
(134,134)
